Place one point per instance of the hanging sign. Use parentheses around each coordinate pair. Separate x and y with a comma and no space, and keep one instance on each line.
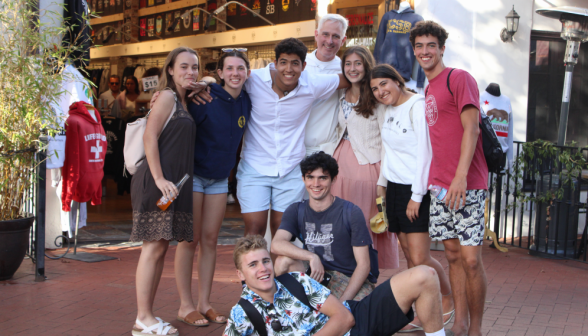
(150,83)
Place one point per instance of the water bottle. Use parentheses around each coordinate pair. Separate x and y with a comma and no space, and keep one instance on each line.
(438,191)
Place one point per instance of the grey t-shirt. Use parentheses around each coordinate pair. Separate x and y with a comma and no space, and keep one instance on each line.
(325,234)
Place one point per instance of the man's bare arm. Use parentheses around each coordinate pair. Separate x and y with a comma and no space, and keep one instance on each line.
(471,129)
(340,318)
(362,257)
(343,82)
(281,245)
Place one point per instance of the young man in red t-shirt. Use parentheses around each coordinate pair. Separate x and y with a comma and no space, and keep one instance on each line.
(458,165)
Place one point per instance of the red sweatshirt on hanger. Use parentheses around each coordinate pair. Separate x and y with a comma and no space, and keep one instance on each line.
(85,149)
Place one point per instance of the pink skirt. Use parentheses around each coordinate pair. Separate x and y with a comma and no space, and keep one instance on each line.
(357,184)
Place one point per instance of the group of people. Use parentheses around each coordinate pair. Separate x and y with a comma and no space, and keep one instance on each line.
(323,137)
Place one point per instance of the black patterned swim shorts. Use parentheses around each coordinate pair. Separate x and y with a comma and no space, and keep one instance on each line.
(466,223)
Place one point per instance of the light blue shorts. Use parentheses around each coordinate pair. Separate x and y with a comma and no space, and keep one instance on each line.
(256,191)
(210,186)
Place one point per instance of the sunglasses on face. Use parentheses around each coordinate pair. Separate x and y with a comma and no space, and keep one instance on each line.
(114,83)
(228,50)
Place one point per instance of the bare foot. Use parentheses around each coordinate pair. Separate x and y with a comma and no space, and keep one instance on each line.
(183,312)
(218,318)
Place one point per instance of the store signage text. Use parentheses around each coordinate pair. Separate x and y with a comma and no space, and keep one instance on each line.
(360,19)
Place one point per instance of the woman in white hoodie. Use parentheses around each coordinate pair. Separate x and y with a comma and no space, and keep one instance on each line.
(405,171)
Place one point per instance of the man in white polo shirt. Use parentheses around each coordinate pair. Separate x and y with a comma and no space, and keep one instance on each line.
(321,128)
(282,96)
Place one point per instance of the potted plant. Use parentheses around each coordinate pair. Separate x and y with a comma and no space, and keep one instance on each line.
(31,66)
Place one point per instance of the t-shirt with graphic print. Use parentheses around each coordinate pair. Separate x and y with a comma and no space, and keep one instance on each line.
(443,112)
(325,234)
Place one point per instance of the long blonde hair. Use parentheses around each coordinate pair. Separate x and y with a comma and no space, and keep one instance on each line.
(166,80)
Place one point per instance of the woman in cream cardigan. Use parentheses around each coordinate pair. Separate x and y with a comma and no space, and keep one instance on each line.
(360,147)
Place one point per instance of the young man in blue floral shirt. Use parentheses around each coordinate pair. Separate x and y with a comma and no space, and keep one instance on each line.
(382,313)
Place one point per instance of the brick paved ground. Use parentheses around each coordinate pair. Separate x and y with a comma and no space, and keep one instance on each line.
(526,295)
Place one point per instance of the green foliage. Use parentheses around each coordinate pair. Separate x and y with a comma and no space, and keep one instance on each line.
(566,163)
(31,66)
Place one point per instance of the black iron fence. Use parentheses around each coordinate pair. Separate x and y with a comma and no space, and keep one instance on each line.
(540,202)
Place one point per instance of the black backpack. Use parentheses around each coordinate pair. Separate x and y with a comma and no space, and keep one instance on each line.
(347,208)
(294,287)
(493,153)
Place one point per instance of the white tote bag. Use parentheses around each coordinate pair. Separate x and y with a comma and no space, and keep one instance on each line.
(134,150)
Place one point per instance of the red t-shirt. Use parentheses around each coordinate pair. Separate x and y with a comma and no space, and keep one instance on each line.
(443,117)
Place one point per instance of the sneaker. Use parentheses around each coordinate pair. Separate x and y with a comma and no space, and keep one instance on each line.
(230,199)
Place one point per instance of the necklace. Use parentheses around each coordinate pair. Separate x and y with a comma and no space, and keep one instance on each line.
(274,83)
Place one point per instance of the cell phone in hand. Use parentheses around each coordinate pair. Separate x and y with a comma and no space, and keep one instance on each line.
(326,277)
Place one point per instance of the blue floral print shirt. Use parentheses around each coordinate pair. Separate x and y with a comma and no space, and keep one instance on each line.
(296,318)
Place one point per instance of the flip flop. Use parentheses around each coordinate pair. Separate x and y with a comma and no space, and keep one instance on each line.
(416,328)
(451,315)
(191,319)
(212,315)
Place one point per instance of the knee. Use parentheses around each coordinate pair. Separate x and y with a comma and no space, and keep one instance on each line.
(452,255)
(209,243)
(471,264)
(282,264)
(418,258)
(425,276)
(154,250)
(189,245)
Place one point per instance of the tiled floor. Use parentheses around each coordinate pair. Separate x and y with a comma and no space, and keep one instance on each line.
(526,295)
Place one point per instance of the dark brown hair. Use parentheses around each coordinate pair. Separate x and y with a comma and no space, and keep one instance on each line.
(166,80)
(221,62)
(368,63)
(429,28)
(384,71)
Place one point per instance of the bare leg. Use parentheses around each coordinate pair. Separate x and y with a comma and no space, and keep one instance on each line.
(184,261)
(419,245)
(275,221)
(255,222)
(402,238)
(285,264)
(147,278)
(421,286)
(212,219)
(457,277)
(476,283)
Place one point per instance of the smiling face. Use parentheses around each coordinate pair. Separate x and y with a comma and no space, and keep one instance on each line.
(318,184)
(428,53)
(354,69)
(185,69)
(234,72)
(257,271)
(288,68)
(329,40)
(386,91)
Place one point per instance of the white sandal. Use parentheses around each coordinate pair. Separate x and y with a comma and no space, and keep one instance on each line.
(160,328)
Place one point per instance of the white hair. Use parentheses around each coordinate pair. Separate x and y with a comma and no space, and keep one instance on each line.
(335,18)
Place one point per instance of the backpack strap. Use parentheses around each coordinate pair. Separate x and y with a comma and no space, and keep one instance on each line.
(295,288)
(254,316)
(301,211)
(448,87)
(347,208)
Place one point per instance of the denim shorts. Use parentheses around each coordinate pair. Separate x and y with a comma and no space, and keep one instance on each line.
(256,191)
(210,186)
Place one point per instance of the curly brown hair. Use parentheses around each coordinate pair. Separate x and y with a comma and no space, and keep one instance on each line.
(429,28)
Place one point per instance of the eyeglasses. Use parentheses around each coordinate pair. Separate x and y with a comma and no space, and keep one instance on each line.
(114,83)
(228,50)
(276,325)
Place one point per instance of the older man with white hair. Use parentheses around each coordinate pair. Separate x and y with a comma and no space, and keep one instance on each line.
(321,127)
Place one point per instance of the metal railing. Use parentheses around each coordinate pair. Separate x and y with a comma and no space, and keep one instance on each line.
(526,212)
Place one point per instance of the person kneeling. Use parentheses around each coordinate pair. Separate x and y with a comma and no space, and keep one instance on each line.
(296,304)
(336,241)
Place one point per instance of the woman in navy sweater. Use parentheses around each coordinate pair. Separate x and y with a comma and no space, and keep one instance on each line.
(220,127)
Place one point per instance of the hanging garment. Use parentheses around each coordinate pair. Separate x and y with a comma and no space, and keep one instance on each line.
(104,78)
(139,71)
(393,45)
(77,16)
(85,149)
(127,72)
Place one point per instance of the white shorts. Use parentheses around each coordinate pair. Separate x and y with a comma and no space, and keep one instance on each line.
(256,191)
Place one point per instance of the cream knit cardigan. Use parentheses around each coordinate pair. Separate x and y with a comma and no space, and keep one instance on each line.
(364,133)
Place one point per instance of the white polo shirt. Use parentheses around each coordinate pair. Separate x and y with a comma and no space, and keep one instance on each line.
(321,128)
(273,143)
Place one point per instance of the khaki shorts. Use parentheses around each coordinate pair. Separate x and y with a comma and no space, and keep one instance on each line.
(339,282)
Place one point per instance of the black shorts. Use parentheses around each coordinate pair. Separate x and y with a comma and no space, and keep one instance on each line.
(378,313)
(397,197)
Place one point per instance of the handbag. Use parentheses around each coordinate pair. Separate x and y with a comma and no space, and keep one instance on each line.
(379,223)
(134,150)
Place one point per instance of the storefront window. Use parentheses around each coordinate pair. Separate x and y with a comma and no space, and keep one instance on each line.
(363,26)
(546,79)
